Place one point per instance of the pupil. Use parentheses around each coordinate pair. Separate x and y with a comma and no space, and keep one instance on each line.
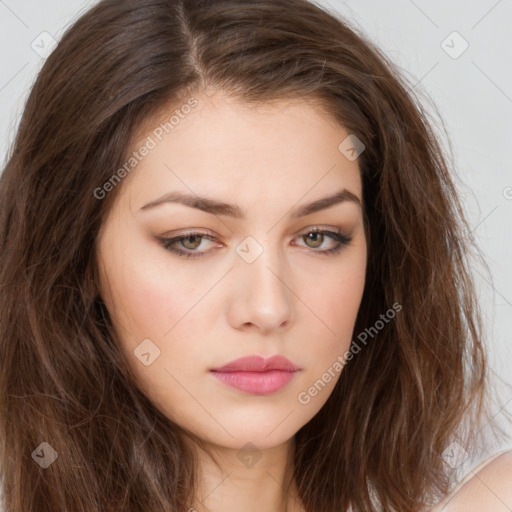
(190,239)
(312,236)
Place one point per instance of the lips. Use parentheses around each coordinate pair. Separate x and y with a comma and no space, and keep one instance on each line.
(256,375)
(258,364)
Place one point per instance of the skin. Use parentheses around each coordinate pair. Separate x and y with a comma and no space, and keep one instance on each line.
(204,312)
(489,489)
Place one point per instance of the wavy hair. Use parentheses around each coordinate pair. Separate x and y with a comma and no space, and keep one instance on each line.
(418,385)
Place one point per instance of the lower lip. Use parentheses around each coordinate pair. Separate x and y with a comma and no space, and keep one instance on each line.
(256,383)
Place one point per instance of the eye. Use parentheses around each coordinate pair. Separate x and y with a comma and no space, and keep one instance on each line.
(317,236)
(191,240)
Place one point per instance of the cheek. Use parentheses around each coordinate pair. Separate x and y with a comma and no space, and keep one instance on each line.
(336,298)
(149,302)
(335,304)
(346,300)
(151,298)
(144,297)
(139,300)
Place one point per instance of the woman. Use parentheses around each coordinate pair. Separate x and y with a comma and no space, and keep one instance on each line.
(233,272)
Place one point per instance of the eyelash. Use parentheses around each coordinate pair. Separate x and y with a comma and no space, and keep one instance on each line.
(343,240)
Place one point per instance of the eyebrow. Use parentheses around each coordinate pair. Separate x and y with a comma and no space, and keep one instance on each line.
(215,207)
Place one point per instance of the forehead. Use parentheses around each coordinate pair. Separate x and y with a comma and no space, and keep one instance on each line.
(282,149)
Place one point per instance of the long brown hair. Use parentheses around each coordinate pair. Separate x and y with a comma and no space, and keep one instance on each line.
(66,390)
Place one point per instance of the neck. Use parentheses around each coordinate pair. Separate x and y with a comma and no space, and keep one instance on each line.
(249,479)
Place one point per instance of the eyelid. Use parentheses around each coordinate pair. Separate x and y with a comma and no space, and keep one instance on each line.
(205,231)
(320,227)
(334,233)
(208,233)
(189,232)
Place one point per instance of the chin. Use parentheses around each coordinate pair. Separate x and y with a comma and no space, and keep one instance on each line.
(245,431)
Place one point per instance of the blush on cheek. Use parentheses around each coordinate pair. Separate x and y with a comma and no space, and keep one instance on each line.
(148,306)
(157,306)
(337,305)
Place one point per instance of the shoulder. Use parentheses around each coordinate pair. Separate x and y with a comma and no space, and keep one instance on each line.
(490,489)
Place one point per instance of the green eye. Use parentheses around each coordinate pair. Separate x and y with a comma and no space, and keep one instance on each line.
(188,243)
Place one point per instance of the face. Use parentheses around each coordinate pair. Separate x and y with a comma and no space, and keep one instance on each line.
(275,279)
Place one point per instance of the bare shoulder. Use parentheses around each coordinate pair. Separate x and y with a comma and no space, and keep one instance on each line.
(490,489)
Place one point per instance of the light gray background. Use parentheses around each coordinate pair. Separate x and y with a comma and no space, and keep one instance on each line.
(472,92)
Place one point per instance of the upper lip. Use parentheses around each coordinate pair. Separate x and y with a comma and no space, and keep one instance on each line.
(258,364)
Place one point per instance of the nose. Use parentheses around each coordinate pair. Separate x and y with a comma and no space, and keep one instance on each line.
(262,297)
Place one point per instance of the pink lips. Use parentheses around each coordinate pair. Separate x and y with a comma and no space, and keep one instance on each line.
(257,375)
